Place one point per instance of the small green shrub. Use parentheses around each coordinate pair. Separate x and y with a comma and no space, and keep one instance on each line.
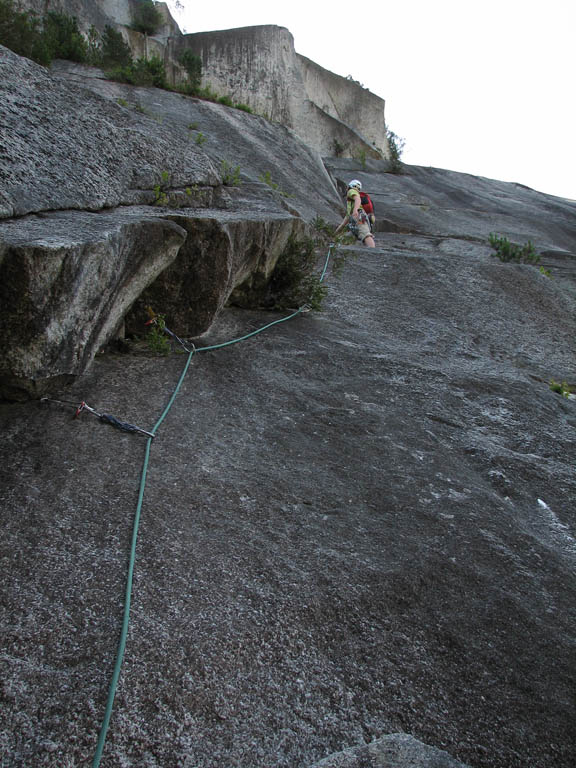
(266,178)
(197,196)
(244,108)
(360,154)
(157,340)
(560,387)
(207,94)
(226,100)
(144,72)
(63,39)
(230,175)
(507,251)
(200,138)
(396,145)
(122,102)
(150,72)
(55,36)
(324,237)
(337,148)
(114,51)
(161,194)
(147,19)
(193,66)
(322,230)
(295,281)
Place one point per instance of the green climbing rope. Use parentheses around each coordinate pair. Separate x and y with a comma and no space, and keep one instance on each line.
(136,524)
(130,576)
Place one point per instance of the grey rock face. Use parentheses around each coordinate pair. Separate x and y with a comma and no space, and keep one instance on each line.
(227,136)
(436,202)
(99,13)
(221,254)
(358,523)
(338,112)
(63,147)
(100,186)
(66,284)
(258,66)
(398,750)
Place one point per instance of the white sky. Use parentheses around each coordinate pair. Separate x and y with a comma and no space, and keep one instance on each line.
(480,87)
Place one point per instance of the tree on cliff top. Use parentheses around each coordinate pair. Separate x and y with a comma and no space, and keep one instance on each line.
(147,18)
(63,38)
(193,66)
(114,51)
(54,36)
(19,31)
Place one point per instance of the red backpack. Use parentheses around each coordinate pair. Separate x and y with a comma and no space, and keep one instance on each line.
(366,202)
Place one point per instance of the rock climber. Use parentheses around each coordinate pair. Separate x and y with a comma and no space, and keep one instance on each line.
(356,218)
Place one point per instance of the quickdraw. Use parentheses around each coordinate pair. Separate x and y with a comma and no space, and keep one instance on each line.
(104,417)
(158,320)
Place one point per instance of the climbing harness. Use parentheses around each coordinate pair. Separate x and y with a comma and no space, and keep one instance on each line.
(132,559)
(353,227)
(353,223)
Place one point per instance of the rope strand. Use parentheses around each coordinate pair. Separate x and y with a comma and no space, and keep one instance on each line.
(130,575)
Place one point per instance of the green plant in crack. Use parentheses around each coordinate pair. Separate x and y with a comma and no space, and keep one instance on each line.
(560,387)
(360,155)
(266,178)
(161,196)
(230,174)
(157,341)
(323,231)
(323,234)
(295,280)
(197,196)
(507,251)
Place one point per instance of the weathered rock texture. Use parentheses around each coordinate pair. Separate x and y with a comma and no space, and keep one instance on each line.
(257,66)
(219,255)
(99,13)
(330,99)
(358,523)
(65,286)
(84,164)
(64,147)
(398,750)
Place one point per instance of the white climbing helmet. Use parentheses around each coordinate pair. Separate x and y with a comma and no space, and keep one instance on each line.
(355,184)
